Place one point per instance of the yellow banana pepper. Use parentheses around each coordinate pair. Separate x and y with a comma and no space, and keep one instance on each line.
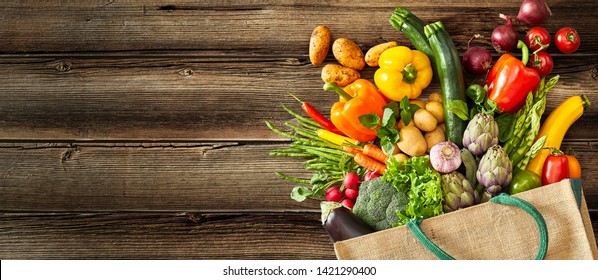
(403,72)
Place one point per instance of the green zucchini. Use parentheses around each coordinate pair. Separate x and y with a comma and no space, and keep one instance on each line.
(413,28)
(450,75)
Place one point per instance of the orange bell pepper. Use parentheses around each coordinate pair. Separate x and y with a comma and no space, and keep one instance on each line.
(357,99)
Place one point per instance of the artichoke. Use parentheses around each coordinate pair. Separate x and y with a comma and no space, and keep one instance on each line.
(458,192)
(481,134)
(495,170)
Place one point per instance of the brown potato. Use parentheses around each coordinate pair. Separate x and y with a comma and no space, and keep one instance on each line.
(424,120)
(412,142)
(348,53)
(442,126)
(339,75)
(401,124)
(401,156)
(373,54)
(436,109)
(434,137)
(418,102)
(319,45)
(435,96)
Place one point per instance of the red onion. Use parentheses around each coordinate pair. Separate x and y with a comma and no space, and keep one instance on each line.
(533,11)
(476,60)
(504,37)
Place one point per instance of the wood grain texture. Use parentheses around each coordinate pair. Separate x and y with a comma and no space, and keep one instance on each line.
(183,235)
(164,98)
(224,177)
(135,129)
(249,27)
(220,177)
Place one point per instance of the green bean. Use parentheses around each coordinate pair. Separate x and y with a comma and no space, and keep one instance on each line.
(320,166)
(282,133)
(302,131)
(321,149)
(280,154)
(292,179)
(299,117)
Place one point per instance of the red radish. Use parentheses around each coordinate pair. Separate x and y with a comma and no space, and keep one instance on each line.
(504,37)
(370,175)
(334,194)
(533,11)
(351,180)
(348,203)
(351,193)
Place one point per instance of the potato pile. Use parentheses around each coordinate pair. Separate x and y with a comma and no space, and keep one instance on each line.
(425,130)
(347,53)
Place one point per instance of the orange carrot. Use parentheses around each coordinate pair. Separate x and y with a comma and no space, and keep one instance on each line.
(350,149)
(375,152)
(370,163)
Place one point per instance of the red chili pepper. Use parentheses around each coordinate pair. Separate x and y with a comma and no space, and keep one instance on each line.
(556,167)
(509,81)
(318,117)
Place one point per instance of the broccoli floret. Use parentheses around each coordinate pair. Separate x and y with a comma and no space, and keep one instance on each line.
(378,203)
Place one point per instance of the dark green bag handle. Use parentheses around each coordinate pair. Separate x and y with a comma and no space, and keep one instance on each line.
(500,199)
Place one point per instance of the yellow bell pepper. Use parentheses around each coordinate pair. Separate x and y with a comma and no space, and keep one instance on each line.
(403,72)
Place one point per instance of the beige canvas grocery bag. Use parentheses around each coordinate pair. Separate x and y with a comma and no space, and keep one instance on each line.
(559,229)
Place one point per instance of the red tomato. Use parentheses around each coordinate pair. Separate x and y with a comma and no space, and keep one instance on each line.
(536,38)
(567,40)
(542,62)
(556,168)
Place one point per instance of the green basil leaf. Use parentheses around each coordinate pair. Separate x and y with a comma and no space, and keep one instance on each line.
(491,107)
(476,93)
(394,135)
(382,132)
(405,103)
(506,126)
(300,194)
(392,105)
(387,145)
(406,116)
(413,108)
(474,111)
(459,108)
(369,120)
(388,116)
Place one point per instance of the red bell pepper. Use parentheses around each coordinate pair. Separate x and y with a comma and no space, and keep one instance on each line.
(510,81)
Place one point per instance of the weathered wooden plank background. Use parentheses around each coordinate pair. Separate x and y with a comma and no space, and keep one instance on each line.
(135,129)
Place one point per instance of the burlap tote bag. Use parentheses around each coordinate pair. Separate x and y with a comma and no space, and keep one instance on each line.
(551,222)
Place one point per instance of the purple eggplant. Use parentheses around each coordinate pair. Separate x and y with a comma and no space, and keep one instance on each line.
(341,223)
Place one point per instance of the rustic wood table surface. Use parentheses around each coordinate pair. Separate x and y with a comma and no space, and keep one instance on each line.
(135,129)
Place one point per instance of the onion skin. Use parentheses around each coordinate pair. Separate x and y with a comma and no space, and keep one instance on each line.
(476,60)
(533,11)
(504,37)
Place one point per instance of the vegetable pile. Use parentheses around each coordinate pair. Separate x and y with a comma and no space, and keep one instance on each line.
(384,157)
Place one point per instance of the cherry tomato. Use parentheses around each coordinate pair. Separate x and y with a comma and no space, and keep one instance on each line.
(567,40)
(556,168)
(536,38)
(574,167)
(542,62)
